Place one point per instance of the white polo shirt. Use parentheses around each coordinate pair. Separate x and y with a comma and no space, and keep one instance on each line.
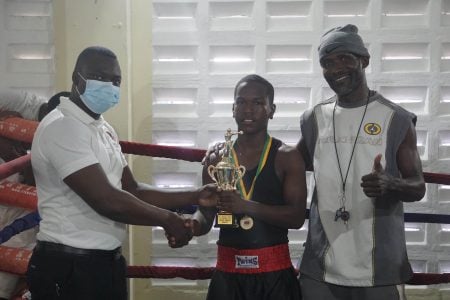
(66,141)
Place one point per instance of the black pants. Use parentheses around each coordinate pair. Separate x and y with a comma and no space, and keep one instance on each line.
(54,274)
(263,286)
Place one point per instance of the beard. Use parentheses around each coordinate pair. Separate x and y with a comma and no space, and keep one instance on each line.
(346,86)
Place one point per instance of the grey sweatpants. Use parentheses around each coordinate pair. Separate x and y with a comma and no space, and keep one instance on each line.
(318,290)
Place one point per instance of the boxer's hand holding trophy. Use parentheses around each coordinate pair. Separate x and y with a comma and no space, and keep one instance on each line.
(226,174)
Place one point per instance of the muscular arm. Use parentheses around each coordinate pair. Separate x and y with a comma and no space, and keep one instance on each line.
(290,166)
(301,146)
(410,186)
(203,218)
(158,197)
(121,206)
(111,202)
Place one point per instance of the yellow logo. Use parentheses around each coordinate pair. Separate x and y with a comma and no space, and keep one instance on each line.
(372,128)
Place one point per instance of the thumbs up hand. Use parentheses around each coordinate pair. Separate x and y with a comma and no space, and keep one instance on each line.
(377,167)
(376,184)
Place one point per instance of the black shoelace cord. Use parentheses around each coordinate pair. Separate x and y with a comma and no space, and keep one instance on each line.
(344,180)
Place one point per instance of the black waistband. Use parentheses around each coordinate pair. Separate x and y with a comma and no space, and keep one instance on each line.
(47,247)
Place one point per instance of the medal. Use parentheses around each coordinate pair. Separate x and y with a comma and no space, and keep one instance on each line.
(246,222)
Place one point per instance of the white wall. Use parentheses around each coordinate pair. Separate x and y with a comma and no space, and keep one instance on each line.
(27,47)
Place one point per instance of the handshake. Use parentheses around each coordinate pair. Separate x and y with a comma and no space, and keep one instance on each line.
(179,230)
(211,199)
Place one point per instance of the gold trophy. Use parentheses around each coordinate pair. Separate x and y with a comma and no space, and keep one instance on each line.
(226,175)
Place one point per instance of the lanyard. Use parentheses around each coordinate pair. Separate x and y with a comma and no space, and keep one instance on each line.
(261,164)
(344,180)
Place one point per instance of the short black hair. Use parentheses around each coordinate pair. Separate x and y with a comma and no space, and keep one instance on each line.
(51,104)
(256,78)
(90,51)
(54,100)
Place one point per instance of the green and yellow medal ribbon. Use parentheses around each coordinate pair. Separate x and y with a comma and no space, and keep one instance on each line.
(261,164)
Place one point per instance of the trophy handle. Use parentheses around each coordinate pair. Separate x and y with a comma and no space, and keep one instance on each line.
(240,173)
(212,170)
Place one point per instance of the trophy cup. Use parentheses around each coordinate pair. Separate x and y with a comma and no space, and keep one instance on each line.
(226,175)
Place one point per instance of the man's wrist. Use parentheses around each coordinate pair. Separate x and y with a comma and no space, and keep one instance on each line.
(196,227)
(167,219)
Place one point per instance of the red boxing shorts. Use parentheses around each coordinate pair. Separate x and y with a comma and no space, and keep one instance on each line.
(252,261)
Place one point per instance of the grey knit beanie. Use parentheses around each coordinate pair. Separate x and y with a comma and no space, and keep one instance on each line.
(342,39)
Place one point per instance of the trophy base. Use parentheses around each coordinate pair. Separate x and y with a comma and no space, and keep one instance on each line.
(226,220)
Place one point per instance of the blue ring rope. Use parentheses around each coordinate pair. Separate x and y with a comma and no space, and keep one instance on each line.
(31,220)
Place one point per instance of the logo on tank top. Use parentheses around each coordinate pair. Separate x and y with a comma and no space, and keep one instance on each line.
(246,262)
(372,128)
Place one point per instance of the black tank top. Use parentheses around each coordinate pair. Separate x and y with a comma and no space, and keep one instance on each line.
(268,190)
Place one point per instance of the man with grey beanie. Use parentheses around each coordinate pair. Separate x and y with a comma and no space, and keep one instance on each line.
(362,150)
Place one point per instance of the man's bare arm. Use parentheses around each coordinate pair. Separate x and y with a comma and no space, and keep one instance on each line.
(93,186)
(410,186)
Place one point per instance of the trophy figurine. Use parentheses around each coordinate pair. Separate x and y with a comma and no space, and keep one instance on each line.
(226,175)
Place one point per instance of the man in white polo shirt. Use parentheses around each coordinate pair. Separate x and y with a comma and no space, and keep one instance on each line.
(87,193)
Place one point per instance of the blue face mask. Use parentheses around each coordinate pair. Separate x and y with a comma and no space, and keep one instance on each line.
(99,96)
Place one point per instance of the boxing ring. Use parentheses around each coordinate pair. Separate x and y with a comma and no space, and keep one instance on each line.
(15,260)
